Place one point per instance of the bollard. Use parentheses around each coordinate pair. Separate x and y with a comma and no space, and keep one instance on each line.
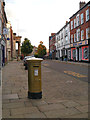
(34,78)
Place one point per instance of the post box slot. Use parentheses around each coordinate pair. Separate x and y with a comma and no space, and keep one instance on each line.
(35,66)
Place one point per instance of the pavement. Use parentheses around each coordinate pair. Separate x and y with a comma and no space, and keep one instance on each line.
(61,98)
(76,63)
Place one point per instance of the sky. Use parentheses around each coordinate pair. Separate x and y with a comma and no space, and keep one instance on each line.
(37,19)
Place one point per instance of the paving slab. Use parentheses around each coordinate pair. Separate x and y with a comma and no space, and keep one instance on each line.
(35,115)
(70,104)
(5,113)
(24,110)
(13,105)
(10,96)
(61,113)
(83,109)
(82,115)
(51,107)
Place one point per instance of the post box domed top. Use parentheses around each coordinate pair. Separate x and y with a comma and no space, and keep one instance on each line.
(34,59)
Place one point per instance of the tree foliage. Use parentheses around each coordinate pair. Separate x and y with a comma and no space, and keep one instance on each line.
(41,50)
(26,47)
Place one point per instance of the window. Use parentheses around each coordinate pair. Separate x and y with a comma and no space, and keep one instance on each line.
(78,34)
(71,25)
(61,35)
(74,53)
(85,51)
(82,35)
(74,23)
(66,39)
(87,33)
(78,21)
(71,38)
(0,6)
(0,26)
(75,37)
(82,19)
(69,54)
(87,14)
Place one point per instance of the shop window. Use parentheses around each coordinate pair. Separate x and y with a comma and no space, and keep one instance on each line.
(74,53)
(69,54)
(85,51)
(87,14)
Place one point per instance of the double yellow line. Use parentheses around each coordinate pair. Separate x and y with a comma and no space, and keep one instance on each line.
(75,74)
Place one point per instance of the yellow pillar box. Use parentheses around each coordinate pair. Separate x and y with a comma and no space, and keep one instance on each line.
(34,78)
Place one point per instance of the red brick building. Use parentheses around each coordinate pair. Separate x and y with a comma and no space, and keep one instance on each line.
(80,33)
(52,47)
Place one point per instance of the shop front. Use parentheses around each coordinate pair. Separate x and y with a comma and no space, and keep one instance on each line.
(80,51)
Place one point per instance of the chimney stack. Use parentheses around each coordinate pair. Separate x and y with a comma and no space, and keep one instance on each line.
(66,22)
(81,4)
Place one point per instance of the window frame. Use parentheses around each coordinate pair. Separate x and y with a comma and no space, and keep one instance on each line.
(82,18)
(87,15)
(82,34)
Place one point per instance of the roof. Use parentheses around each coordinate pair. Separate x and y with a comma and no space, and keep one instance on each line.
(62,28)
(80,10)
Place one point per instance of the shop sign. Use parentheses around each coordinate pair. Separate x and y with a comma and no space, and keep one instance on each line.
(79,43)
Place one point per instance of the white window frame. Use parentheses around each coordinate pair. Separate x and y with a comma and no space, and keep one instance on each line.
(71,25)
(82,18)
(82,35)
(87,33)
(0,26)
(78,34)
(0,5)
(78,20)
(75,37)
(72,38)
(87,14)
(75,23)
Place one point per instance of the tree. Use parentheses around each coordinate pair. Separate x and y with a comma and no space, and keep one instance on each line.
(41,50)
(26,47)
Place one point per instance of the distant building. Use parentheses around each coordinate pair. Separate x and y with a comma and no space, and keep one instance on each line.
(34,51)
(80,33)
(16,39)
(52,47)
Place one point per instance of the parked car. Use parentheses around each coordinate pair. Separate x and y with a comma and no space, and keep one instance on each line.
(25,62)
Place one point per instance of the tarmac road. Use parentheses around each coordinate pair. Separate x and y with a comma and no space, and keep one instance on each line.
(76,70)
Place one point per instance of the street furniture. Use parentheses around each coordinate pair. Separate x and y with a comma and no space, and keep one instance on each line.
(34,78)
